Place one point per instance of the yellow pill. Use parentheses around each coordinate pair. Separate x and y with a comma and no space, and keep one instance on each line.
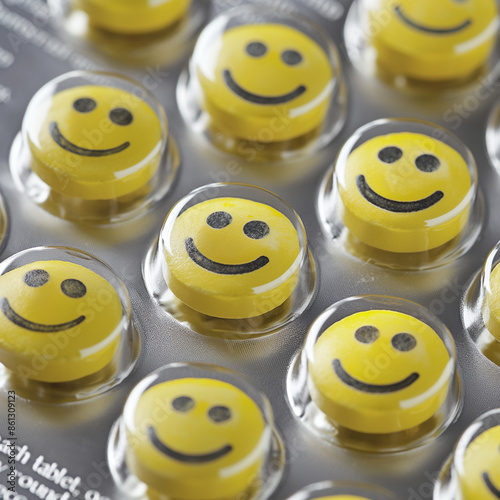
(232,258)
(132,17)
(433,41)
(480,477)
(491,307)
(265,82)
(379,372)
(197,439)
(95,142)
(405,192)
(58,321)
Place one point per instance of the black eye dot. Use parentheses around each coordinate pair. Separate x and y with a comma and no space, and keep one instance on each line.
(219,414)
(291,57)
(219,220)
(404,342)
(367,334)
(121,116)
(427,163)
(256,229)
(84,105)
(256,49)
(183,404)
(390,154)
(36,278)
(74,289)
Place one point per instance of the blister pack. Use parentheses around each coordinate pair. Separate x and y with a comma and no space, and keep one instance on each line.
(249,250)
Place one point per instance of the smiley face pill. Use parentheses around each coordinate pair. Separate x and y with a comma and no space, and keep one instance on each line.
(264,82)
(232,258)
(480,477)
(95,143)
(405,192)
(134,17)
(379,372)
(430,41)
(207,441)
(58,321)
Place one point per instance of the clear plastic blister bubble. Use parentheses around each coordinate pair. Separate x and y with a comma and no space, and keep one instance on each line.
(231,261)
(328,490)
(402,194)
(377,374)
(137,32)
(493,137)
(67,332)
(197,432)
(4,223)
(473,470)
(264,81)
(94,148)
(481,308)
(425,46)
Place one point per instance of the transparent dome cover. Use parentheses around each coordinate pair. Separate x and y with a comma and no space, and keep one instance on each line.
(480,307)
(94,147)
(231,260)
(493,137)
(402,194)
(67,332)
(266,80)
(473,470)
(427,45)
(193,431)
(138,32)
(376,373)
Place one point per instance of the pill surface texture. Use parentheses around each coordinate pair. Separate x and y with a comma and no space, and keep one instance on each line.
(405,192)
(232,258)
(58,321)
(480,477)
(434,41)
(265,82)
(95,142)
(207,441)
(379,372)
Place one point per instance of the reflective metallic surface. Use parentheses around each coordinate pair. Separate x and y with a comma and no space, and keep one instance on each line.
(74,436)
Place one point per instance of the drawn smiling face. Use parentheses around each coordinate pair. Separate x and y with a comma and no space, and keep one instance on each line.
(480,477)
(222,251)
(96,142)
(49,300)
(258,72)
(379,372)
(435,40)
(405,192)
(208,441)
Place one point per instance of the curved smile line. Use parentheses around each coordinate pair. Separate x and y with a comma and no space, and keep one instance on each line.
(260,99)
(396,206)
(372,388)
(182,457)
(427,29)
(13,317)
(490,485)
(216,267)
(66,144)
